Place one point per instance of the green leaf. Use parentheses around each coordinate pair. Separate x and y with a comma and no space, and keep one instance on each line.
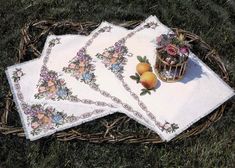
(133,77)
(148,91)
(140,59)
(144,92)
(145,59)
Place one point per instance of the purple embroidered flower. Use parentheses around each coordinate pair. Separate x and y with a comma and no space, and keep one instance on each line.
(26,109)
(117,44)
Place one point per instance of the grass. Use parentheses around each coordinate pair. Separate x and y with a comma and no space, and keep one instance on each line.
(212,20)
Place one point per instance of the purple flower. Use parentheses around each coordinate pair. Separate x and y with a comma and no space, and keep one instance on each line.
(184,50)
(163,40)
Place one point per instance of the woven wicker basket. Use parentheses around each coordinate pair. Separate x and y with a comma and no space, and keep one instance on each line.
(167,72)
(114,128)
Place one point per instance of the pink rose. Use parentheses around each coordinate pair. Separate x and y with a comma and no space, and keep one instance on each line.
(184,50)
(171,49)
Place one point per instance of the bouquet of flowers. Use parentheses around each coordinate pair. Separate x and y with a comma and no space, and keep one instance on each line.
(173,48)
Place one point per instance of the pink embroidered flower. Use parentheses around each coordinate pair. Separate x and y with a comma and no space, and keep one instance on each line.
(106,54)
(51,96)
(40,115)
(50,83)
(19,73)
(72,66)
(171,49)
(41,89)
(62,81)
(50,109)
(35,125)
(116,55)
(184,50)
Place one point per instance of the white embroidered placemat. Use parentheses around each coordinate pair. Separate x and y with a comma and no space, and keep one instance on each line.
(45,118)
(178,104)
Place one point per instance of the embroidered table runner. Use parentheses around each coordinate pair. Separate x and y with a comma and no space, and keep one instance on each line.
(43,119)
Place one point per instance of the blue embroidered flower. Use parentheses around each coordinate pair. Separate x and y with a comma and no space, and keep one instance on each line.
(116,67)
(57,118)
(62,92)
(87,77)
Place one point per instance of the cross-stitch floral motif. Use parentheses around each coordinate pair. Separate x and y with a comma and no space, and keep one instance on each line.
(17,74)
(113,57)
(81,67)
(44,119)
(51,86)
(54,41)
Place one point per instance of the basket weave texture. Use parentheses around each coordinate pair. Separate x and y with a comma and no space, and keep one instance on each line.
(117,127)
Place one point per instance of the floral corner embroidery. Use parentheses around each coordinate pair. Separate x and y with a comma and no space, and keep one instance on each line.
(152,25)
(17,74)
(54,41)
(51,86)
(169,128)
(43,119)
(82,68)
(113,57)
